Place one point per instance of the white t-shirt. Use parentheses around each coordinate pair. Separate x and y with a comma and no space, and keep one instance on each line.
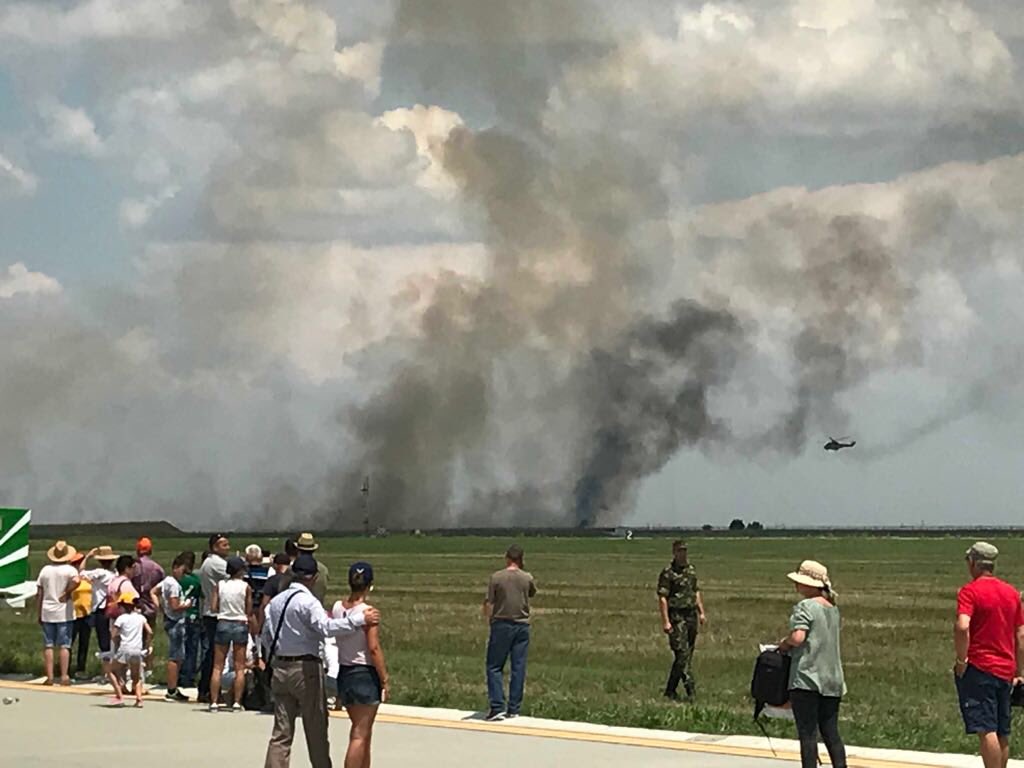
(232,600)
(55,580)
(130,626)
(352,646)
(170,587)
(99,578)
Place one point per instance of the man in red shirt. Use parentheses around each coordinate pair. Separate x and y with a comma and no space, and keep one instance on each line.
(989,640)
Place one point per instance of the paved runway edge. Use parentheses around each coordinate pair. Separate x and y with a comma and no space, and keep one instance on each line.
(739,746)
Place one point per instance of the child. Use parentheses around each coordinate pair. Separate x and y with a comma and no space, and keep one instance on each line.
(131,636)
(362,676)
(167,595)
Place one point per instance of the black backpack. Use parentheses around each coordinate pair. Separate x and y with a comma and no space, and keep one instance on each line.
(770,684)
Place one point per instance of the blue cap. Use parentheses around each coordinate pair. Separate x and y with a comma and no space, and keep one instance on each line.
(361,568)
(305,565)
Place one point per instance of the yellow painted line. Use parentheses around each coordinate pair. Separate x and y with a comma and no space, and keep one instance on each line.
(544,733)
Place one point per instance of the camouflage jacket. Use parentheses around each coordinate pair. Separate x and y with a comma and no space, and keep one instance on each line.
(679,587)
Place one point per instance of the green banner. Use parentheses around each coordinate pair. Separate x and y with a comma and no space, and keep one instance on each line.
(14,525)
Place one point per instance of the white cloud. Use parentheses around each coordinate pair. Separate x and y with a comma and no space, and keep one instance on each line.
(135,213)
(15,181)
(430,127)
(70,129)
(36,24)
(20,281)
(362,62)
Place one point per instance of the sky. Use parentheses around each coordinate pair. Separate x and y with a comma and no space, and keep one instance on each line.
(551,262)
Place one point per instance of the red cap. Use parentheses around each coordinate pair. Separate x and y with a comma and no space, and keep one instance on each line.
(144,546)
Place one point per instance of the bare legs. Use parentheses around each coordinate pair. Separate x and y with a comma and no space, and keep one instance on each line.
(238,654)
(362,717)
(995,750)
(219,652)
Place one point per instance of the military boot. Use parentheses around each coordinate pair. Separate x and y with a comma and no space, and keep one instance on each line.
(671,687)
(691,691)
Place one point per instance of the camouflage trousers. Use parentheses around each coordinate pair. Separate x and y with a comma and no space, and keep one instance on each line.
(682,640)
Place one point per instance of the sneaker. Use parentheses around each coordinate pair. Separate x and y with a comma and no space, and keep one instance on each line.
(511,715)
(236,707)
(179,696)
(495,716)
(214,707)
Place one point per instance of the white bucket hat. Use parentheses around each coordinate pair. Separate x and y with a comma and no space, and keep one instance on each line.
(812,574)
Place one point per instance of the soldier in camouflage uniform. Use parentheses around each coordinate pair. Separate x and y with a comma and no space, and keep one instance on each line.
(682,611)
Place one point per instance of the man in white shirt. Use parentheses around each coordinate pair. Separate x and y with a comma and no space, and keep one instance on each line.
(55,585)
(213,571)
(299,624)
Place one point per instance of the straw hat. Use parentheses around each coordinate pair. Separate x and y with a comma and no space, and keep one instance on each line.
(61,552)
(105,553)
(811,574)
(306,543)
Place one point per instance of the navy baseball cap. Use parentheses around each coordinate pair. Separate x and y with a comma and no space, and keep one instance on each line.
(235,565)
(305,565)
(361,568)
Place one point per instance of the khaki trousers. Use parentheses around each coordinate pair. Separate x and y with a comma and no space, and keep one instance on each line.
(299,692)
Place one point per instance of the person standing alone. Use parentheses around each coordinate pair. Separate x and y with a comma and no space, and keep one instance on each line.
(681,607)
(507,608)
(988,638)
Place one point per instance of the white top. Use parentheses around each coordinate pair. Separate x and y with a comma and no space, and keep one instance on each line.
(130,625)
(213,570)
(306,623)
(55,580)
(232,600)
(169,588)
(99,578)
(352,647)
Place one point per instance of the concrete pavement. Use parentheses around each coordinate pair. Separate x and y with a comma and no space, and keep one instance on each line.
(52,727)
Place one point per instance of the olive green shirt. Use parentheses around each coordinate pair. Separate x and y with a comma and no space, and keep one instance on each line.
(816,663)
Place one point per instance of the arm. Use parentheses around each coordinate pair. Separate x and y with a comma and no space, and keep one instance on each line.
(487,609)
(115,636)
(39,604)
(799,626)
(253,628)
(962,641)
(377,659)
(70,589)
(328,627)
(215,599)
(666,625)
(154,595)
(700,608)
(793,640)
(1020,652)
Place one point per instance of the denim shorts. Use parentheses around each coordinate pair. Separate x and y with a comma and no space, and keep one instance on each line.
(175,639)
(984,702)
(231,632)
(358,685)
(58,633)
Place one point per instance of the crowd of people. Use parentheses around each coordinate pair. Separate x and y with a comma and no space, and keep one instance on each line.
(247,630)
(238,615)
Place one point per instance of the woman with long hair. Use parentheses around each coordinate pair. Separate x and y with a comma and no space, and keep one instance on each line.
(232,602)
(816,682)
(362,677)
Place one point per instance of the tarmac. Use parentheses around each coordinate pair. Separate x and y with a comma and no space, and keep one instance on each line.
(72,727)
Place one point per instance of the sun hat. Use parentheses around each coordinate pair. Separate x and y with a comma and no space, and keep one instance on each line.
(306,543)
(144,546)
(305,565)
(811,574)
(61,552)
(128,598)
(105,553)
(982,553)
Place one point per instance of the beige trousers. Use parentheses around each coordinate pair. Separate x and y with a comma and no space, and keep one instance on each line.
(299,692)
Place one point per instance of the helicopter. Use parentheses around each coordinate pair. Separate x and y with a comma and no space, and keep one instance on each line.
(838,445)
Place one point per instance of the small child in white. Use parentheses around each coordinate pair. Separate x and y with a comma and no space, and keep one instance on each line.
(131,635)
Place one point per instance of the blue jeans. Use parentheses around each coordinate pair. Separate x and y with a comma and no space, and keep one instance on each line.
(508,638)
(193,651)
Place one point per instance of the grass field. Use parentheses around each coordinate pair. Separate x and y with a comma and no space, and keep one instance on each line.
(597,653)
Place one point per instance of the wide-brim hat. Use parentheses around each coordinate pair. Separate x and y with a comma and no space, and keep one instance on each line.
(61,552)
(811,574)
(307,543)
(105,553)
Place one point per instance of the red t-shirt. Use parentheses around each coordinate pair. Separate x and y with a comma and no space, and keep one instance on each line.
(995,610)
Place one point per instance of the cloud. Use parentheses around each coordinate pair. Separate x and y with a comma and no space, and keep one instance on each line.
(15,181)
(70,129)
(135,213)
(98,20)
(19,281)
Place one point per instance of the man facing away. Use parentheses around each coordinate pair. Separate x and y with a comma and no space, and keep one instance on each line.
(507,608)
(299,624)
(989,641)
(146,575)
(213,571)
(681,607)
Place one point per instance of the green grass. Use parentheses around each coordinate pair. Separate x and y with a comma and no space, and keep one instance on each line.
(597,653)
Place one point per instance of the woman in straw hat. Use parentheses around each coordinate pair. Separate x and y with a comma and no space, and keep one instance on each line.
(100,579)
(56,583)
(816,684)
